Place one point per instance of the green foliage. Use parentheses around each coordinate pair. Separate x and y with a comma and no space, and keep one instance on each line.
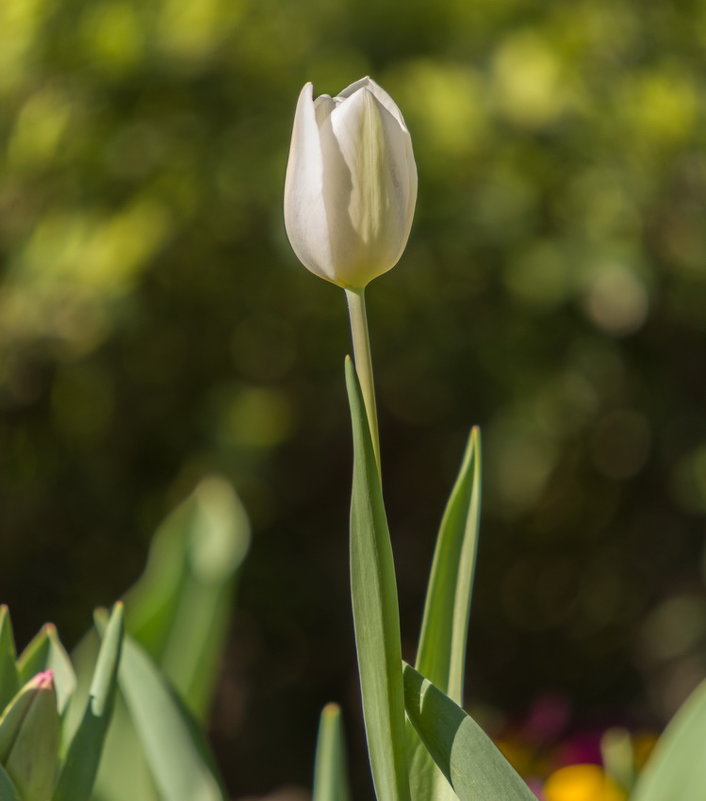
(9,678)
(441,654)
(176,616)
(42,755)
(475,768)
(618,757)
(330,769)
(7,789)
(677,768)
(179,610)
(80,767)
(45,652)
(154,326)
(375,611)
(174,746)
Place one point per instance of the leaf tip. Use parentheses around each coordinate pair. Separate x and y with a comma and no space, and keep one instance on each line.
(331,710)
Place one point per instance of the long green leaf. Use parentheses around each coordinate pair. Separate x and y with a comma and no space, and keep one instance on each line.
(45,652)
(9,678)
(124,773)
(375,612)
(330,771)
(178,612)
(179,609)
(441,654)
(7,788)
(472,764)
(175,750)
(677,768)
(80,767)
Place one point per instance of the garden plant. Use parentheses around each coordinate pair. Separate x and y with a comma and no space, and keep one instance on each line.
(122,719)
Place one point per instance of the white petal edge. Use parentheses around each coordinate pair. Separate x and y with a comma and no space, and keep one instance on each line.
(305,217)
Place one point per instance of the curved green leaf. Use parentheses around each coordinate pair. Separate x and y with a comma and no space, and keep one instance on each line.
(677,767)
(175,750)
(179,609)
(464,753)
(441,654)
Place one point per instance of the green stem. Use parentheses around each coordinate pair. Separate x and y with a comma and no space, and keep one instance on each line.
(363,361)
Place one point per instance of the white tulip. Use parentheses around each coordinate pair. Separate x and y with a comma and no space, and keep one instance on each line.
(351,184)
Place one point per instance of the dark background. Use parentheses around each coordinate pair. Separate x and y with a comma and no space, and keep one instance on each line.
(155,327)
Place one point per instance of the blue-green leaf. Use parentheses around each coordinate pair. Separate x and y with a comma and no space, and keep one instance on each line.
(8,791)
(80,767)
(375,612)
(179,610)
(677,767)
(466,756)
(441,654)
(330,771)
(175,750)
(9,678)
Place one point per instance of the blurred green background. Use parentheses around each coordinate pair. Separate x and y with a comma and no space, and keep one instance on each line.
(155,326)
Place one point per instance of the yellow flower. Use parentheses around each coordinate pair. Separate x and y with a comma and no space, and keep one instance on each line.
(581,783)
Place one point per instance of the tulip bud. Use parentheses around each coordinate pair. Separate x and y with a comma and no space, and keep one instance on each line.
(29,738)
(351,184)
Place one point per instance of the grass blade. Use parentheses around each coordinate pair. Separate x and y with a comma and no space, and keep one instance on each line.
(9,678)
(472,764)
(175,750)
(330,771)
(375,612)
(80,767)
(677,768)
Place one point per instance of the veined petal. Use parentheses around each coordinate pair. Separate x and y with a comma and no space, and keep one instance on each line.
(377,152)
(304,211)
(380,94)
(351,184)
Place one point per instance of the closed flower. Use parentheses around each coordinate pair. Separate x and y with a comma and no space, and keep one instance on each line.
(29,738)
(351,184)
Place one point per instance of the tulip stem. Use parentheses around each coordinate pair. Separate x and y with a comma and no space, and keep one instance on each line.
(363,361)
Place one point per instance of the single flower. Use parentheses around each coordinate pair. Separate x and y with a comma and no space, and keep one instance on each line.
(351,184)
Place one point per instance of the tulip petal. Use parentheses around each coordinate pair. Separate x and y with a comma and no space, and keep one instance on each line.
(351,184)
(378,154)
(380,94)
(305,215)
